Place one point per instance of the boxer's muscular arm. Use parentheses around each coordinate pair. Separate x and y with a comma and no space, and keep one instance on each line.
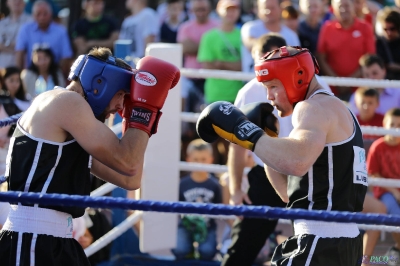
(123,156)
(278,181)
(297,153)
(236,164)
(106,173)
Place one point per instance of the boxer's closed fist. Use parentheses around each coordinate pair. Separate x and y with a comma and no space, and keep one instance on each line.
(260,113)
(227,121)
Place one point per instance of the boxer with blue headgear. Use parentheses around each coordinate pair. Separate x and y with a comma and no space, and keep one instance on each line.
(60,141)
(101,79)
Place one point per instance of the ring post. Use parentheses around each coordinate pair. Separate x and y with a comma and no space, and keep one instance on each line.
(161,166)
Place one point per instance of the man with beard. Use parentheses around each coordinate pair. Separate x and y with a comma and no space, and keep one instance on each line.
(61,139)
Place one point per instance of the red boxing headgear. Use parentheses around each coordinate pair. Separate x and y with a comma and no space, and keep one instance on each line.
(295,70)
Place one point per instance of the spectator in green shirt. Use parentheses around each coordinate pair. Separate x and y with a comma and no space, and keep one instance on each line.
(220,49)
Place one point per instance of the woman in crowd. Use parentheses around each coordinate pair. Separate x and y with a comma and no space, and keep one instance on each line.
(43,73)
(12,101)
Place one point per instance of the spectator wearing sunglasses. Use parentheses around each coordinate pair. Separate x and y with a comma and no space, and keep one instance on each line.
(388,44)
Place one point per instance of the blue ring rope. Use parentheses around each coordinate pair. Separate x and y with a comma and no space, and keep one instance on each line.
(198,208)
(10,120)
(185,207)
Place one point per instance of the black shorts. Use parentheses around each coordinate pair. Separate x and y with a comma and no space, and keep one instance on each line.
(310,250)
(48,250)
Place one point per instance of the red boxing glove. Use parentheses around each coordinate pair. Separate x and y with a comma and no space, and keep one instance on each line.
(149,90)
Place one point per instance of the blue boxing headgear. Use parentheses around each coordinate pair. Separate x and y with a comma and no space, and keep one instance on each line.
(100,80)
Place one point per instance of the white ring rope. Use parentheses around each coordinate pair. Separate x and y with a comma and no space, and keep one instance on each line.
(117,128)
(383,228)
(377,131)
(102,190)
(220,169)
(380,131)
(335,81)
(113,234)
(383,182)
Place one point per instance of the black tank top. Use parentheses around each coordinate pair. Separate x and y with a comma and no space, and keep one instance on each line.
(336,181)
(38,165)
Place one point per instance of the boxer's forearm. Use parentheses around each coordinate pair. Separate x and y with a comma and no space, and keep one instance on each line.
(236,164)
(131,158)
(289,156)
(278,181)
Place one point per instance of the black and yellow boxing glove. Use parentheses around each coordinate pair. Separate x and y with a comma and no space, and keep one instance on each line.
(225,120)
(261,114)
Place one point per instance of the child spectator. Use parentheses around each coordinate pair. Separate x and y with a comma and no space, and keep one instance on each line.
(367,101)
(95,226)
(43,73)
(169,27)
(373,67)
(384,161)
(199,187)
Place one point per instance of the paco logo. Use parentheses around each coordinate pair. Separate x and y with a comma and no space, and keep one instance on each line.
(145,78)
(226,108)
(262,72)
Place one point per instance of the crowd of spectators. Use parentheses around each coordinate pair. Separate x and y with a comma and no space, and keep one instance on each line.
(350,38)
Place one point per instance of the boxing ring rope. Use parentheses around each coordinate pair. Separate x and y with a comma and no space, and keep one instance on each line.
(10,120)
(184,166)
(192,118)
(203,209)
(370,130)
(114,233)
(334,81)
(198,208)
(133,218)
(367,220)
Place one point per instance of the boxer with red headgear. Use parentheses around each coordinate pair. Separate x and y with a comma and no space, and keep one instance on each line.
(61,139)
(320,166)
(299,71)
